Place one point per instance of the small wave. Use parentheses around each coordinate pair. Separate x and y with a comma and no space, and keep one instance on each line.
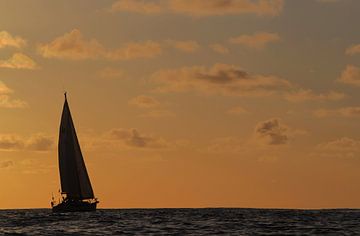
(181,222)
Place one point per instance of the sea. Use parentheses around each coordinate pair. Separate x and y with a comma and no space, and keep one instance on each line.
(204,221)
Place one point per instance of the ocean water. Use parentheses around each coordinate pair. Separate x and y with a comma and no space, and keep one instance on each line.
(208,221)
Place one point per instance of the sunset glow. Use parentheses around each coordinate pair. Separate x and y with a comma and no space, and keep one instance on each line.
(184,103)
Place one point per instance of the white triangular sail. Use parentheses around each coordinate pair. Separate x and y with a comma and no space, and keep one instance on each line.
(75,182)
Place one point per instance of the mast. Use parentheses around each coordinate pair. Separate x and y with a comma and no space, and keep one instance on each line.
(75,181)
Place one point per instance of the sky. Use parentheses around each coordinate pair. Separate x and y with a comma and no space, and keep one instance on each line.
(184,103)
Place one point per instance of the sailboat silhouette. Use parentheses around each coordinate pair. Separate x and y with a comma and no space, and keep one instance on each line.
(76,190)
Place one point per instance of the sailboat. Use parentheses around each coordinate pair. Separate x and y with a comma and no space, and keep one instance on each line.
(76,191)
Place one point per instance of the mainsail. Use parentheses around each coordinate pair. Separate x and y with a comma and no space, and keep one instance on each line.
(75,182)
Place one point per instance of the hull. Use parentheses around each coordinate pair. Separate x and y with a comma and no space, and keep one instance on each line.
(74,206)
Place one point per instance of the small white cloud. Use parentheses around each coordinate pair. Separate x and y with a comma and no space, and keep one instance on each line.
(7,102)
(11,142)
(257,41)
(185,46)
(305,95)
(133,138)
(38,142)
(328,1)
(344,143)
(18,61)
(342,112)
(4,89)
(74,46)
(143,101)
(110,72)
(344,148)
(268,158)
(201,7)
(226,145)
(238,111)
(352,50)
(228,7)
(6,164)
(135,50)
(158,114)
(219,48)
(7,40)
(351,75)
(137,6)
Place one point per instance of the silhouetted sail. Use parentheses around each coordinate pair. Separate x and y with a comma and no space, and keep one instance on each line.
(74,178)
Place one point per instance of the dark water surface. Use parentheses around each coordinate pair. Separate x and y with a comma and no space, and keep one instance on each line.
(181,222)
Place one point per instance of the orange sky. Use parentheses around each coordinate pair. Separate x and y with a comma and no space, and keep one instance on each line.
(179,103)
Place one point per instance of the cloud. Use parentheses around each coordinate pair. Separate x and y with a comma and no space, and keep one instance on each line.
(4,89)
(343,143)
(223,79)
(135,50)
(7,40)
(244,148)
(38,142)
(343,112)
(150,103)
(351,76)
(257,41)
(185,46)
(125,139)
(227,7)
(18,61)
(268,138)
(133,138)
(352,50)
(143,101)
(7,102)
(343,147)
(304,95)
(73,46)
(6,164)
(231,80)
(158,114)
(328,1)
(227,145)
(268,158)
(238,111)
(219,48)
(11,142)
(272,132)
(109,72)
(137,6)
(201,7)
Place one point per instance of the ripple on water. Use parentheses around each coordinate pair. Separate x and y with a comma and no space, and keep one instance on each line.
(181,221)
